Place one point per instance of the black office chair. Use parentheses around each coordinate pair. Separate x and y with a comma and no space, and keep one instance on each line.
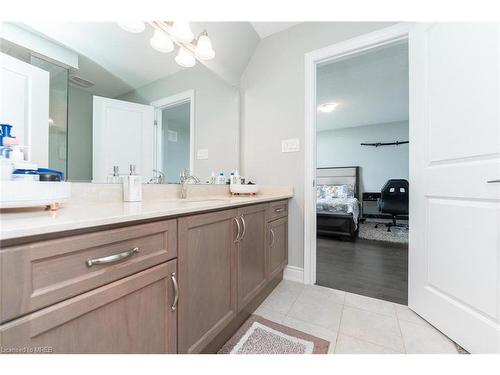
(394,201)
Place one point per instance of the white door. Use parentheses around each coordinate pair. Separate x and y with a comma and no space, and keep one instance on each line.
(454,264)
(123,134)
(24,98)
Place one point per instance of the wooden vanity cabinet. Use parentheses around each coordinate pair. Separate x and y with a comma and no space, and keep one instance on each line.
(251,253)
(182,285)
(207,277)
(277,231)
(133,315)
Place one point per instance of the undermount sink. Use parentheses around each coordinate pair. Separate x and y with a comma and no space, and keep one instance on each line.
(207,200)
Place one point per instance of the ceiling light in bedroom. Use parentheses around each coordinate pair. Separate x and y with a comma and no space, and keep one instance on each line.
(327,107)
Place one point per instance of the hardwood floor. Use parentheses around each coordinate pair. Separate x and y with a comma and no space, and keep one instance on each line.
(371,268)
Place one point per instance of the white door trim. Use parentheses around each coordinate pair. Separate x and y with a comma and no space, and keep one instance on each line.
(312,59)
(160,104)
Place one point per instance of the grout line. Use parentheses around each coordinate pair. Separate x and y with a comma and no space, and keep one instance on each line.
(400,331)
(338,330)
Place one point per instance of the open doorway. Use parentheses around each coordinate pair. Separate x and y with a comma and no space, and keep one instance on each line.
(174,119)
(362,177)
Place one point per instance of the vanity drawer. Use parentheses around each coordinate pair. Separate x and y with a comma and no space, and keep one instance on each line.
(43,273)
(277,210)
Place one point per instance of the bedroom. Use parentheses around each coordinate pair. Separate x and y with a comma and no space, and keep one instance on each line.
(363,173)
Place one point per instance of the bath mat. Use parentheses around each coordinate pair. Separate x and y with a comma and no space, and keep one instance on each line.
(368,231)
(261,336)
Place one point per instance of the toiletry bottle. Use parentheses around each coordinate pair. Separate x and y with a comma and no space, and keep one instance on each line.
(237,178)
(221,179)
(212,179)
(231,178)
(132,188)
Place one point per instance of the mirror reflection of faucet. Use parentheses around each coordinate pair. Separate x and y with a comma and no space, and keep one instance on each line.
(158,177)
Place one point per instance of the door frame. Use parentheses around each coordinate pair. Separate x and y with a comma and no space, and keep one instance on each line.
(170,101)
(330,53)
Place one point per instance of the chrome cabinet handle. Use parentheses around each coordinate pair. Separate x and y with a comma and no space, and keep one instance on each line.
(239,229)
(244,227)
(176,292)
(279,209)
(493,181)
(112,258)
(272,237)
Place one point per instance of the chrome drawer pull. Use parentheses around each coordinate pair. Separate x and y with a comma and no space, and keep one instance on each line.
(280,209)
(244,227)
(239,229)
(176,292)
(272,238)
(113,258)
(493,181)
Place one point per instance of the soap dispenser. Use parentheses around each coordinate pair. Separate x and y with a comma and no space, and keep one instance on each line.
(132,187)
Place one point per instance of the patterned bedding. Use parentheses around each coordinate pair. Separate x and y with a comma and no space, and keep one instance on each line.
(337,199)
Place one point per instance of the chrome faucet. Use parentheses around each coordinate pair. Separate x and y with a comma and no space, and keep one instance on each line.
(185,179)
(158,178)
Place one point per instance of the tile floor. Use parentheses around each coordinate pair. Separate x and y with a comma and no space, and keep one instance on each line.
(353,323)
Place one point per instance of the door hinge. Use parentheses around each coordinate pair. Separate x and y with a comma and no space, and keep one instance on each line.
(314,183)
(156,123)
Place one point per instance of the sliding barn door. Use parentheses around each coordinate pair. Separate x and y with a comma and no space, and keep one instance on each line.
(454,279)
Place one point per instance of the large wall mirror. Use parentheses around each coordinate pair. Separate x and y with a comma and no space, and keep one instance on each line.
(127,103)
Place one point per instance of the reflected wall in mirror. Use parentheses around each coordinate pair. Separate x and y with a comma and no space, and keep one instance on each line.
(123,102)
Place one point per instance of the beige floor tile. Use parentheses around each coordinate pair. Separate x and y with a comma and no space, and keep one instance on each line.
(321,292)
(324,313)
(404,313)
(311,329)
(269,314)
(420,339)
(370,304)
(372,327)
(281,300)
(351,345)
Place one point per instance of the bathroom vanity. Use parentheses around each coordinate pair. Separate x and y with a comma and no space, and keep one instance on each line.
(176,281)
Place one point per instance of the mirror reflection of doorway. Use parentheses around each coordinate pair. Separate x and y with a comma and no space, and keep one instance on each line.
(174,133)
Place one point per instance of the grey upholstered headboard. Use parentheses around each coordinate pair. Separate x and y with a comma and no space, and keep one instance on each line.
(339,176)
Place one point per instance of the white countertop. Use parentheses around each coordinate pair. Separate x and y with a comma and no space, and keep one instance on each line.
(30,222)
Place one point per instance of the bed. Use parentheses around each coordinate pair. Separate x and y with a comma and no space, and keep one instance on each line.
(337,202)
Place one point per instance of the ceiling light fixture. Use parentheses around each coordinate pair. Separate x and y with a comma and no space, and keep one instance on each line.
(204,50)
(327,107)
(181,31)
(167,35)
(161,42)
(185,58)
(133,26)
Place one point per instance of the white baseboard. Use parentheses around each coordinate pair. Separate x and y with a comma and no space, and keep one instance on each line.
(293,273)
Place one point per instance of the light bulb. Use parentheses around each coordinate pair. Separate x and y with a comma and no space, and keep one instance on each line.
(204,48)
(181,31)
(184,58)
(161,42)
(133,26)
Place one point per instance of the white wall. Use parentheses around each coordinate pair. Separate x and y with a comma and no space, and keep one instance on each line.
(79,134)
(272,89)
(216,115)
(341,147)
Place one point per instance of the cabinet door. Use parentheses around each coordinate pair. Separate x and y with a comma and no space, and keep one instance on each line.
(131,315)
(278,246)
(207,277)
(251,253)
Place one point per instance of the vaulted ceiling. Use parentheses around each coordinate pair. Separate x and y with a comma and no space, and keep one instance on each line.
(117,61)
